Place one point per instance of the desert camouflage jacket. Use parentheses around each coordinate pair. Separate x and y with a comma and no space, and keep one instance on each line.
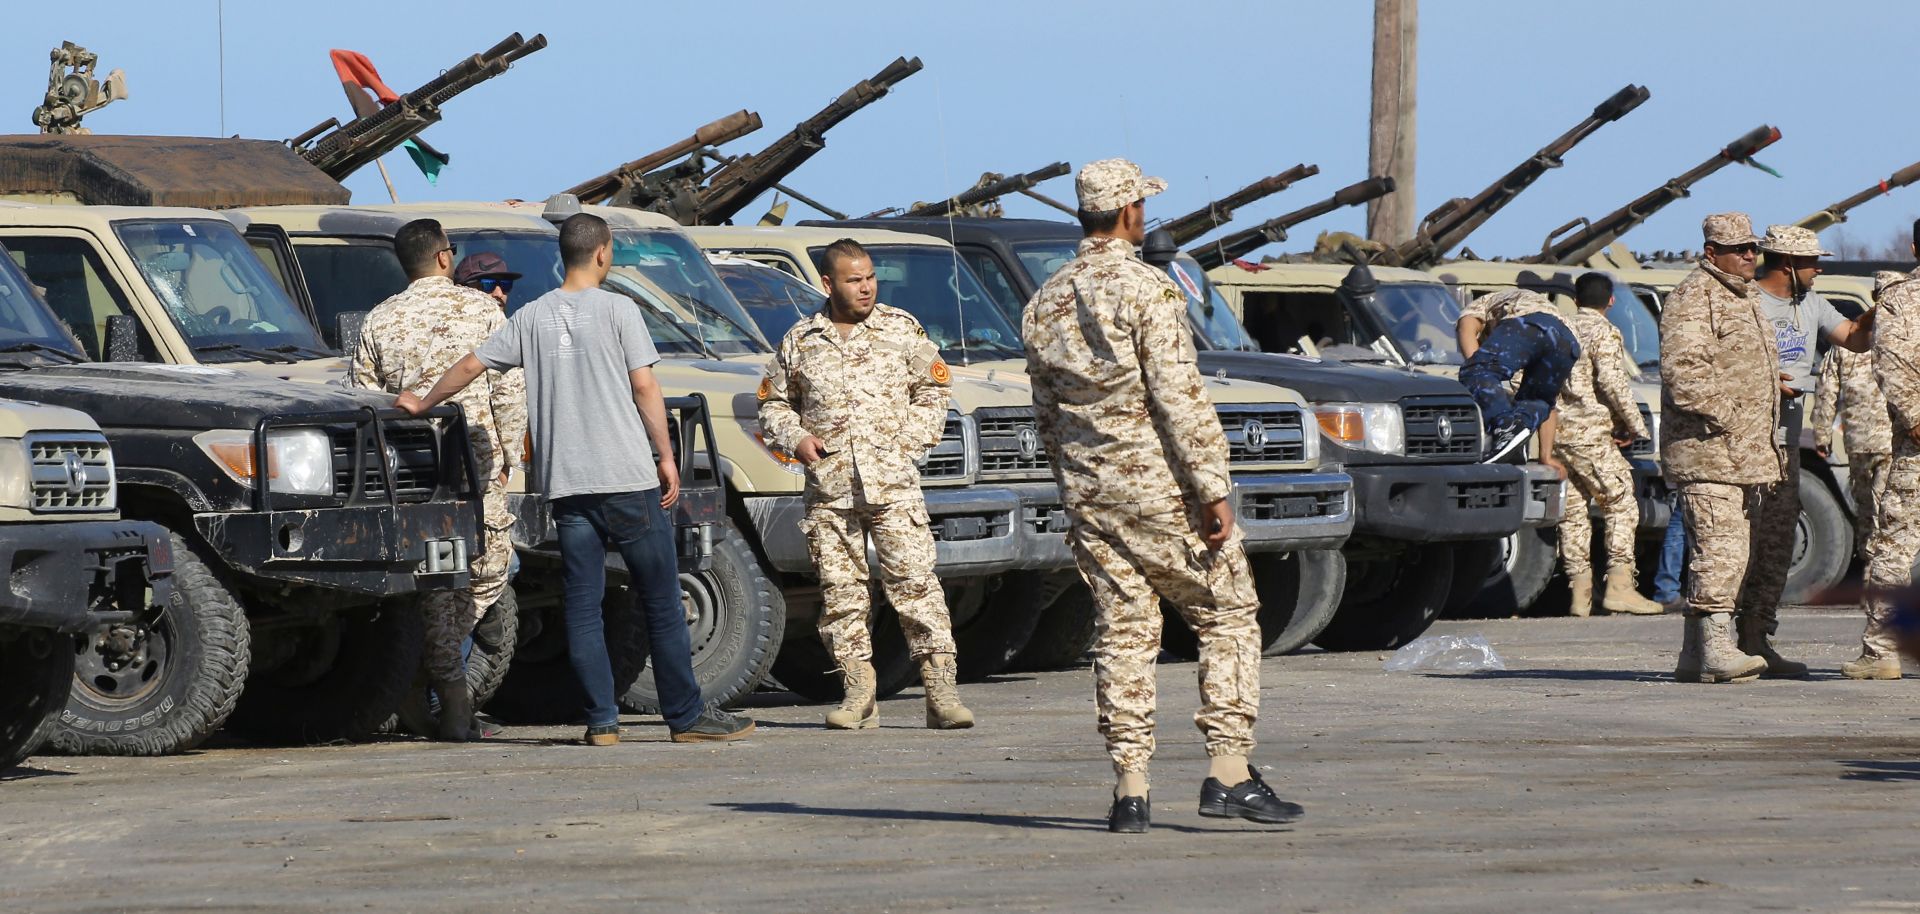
(1720,383)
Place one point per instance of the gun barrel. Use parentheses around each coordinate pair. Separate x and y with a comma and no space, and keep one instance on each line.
(1241,243)
(990,191)
(1599,233)
(1220,212)
(1837,213)
(1449,225)
(601,188)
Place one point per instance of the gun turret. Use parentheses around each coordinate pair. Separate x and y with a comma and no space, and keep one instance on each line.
(1220,212)
(1450,224)
(350,146)
(1594,236)
(1837,213)
(979,200)
(604,187)
(1244,242)
(72,92)
(740,179)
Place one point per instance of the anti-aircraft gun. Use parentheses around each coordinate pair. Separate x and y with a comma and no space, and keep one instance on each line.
(1183,229)
(1837,213)
(350,146)
(72,92)
(1448,225)
(1239,244)
(1594,236)
(983,198)
(643,180)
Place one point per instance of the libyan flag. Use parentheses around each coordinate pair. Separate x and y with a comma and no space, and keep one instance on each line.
(368,94)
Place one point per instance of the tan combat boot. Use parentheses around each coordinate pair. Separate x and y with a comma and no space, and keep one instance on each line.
(1717,656)
(1581,584)
(944,710)
(1753,640)
(1623,597)
(1872,666)
(858,710)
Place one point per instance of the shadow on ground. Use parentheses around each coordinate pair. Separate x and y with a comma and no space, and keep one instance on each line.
(997,820)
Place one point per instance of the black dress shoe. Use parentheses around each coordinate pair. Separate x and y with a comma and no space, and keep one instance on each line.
(1129,816)
(1250,799)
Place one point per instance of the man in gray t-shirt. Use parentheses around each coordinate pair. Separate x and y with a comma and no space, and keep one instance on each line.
(594,405)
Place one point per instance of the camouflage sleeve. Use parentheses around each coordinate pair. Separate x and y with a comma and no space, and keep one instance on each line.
(1176,393)
(509,406)
(1896,341)
(779,421)
(362,372)
(929,391)
(1688,356)
(1610,382)
(1826,400)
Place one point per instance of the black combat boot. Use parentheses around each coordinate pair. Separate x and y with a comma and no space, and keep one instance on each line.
(1250,799)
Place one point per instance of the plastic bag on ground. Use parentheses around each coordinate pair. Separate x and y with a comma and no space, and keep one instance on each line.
(1445,654)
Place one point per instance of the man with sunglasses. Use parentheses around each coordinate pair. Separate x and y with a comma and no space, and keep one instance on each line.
(487,272)
(407,343)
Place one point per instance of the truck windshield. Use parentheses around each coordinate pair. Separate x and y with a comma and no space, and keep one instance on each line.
(1420,318)
(670,333)
(1042,259)
(26,323)
(680,269)
(775,299)
(1638,328)
(932,284)
(219,294)
(533,255)
(1213,322)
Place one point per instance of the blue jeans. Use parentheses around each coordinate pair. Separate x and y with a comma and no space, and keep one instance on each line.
(1539,345)
(634,524)
(1673,558)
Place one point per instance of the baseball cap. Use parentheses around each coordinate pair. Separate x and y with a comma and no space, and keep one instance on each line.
(484,263)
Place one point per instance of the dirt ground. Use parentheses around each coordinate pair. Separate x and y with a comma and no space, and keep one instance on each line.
(1578,779)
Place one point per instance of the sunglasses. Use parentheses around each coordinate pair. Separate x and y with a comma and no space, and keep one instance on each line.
(488,284)
(453,249)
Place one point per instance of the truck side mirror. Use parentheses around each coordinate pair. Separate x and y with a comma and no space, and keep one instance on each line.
(123,339)
(347,329)
(1158,249)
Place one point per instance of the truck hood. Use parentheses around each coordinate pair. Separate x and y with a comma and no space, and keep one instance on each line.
(1326,381)
(147,395)
(17,418)
(1222,390)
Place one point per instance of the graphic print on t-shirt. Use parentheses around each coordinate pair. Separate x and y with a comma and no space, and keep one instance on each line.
(1792,341)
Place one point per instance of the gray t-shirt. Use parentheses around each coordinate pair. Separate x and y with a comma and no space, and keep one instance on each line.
(577,348)
(1794,326)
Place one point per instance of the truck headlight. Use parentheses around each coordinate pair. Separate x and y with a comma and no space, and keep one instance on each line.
(779,454)
(299,460)
(1377,428)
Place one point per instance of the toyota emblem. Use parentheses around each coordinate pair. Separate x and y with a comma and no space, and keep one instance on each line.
(1255,433)
(1445,424)
(1029,440)
(76,474)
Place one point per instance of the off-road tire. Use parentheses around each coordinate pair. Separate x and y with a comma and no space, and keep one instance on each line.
(998,627)
(1064,633)
(740,618)
(344,697)
(1399,598)
(804,667)
(200,653)
(494,640)
(1822,546)
(1299,595)
(540,687)
(1473,568)
(36,677)
(1527,562)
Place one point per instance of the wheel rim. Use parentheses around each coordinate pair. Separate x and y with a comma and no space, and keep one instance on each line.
(316,650)
(119,665)
(699,597)
(1802,529)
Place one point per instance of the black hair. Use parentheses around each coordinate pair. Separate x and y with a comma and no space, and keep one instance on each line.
(1593,290)
(418,245)
(844,249)
(1916,231)
(580,236)
(1100,223)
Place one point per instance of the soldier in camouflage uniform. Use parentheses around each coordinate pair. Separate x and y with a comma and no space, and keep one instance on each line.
(1142,465)
(1895,543)
(858,393)
(1849,391)
(1516,374)
(407,343)
(1598,416)
(1720,399)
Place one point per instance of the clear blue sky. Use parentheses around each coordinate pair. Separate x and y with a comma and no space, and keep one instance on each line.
(1208,95)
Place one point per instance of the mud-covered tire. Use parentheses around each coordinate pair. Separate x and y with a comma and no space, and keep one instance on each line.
(1299,595)
(344,680)
(1822,543)
(738,618)
(804,667)
(36,677)
(1390,601)
(181,686)
(997,627)
(1064,633)
(494,641)
(540,687)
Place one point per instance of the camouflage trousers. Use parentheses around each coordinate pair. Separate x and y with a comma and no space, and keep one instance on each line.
(1132,557)
(1866,479)
(1719,518)
(1774,523)
(452,614)
(1597,476)
(838,538)
(1892,549)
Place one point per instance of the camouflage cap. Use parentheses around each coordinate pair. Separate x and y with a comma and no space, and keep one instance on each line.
(1730,229)
(1792,241)
(1110,184)
(1884,278)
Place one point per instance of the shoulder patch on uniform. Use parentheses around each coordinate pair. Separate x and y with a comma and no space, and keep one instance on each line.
(766,388)
(938,371)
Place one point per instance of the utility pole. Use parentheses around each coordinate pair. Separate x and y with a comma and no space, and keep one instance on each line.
(1390,150)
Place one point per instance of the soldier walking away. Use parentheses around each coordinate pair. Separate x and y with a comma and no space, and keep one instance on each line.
(1142,466)
(1800,317)
(406,343)
(1848,390)
(1598,416)
(487,272)
(1720,399)
(1896,536)
(858,393)
(594,403)
(1528,345)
